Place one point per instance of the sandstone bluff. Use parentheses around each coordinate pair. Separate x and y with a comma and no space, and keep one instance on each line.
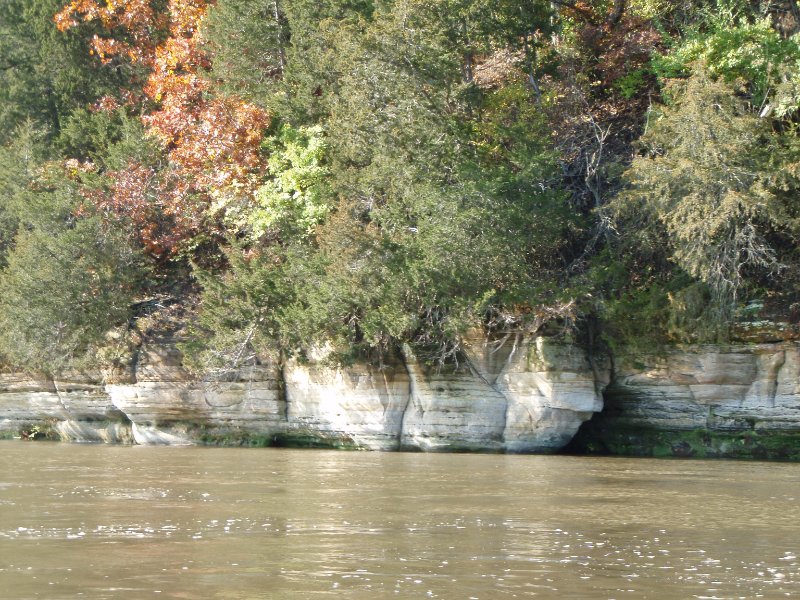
(520,394)
(526,394)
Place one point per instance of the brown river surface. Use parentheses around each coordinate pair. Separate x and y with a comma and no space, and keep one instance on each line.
(81,521)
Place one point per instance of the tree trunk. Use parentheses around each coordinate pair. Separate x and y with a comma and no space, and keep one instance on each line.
(281,34)
(467,68)
(616,14)
(530,63)
(469,56)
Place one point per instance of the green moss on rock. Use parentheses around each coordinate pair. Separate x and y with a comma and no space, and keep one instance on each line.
(306,438)
(291,439)
(693,443)
(236,439)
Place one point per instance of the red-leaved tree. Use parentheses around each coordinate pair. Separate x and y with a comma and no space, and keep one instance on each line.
(213,142)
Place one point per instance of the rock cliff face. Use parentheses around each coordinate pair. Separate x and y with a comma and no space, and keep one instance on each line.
(519,394)
(516,394)
(75,407)
(741,400)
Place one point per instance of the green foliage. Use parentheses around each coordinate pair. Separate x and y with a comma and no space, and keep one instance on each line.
(238,323)
(695,15)
(20,164)
(64,287)
(450,219)
(294,200)
(44,74)
(249,40)
(66,280)
(706,180)
(428,171)
(110,139)
(651,9)
(425,206)
(313,67)
(746,53)
(632,83)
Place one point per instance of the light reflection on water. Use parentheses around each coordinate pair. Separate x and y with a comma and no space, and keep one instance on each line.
(114,522)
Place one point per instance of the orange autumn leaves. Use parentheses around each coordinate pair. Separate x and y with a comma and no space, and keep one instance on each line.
(213,142)
(135,18)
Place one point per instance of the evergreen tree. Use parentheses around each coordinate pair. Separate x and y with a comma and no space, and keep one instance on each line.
(67,282)
(706,179)
(44,74)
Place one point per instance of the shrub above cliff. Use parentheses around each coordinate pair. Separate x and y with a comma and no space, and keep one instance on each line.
(370,174)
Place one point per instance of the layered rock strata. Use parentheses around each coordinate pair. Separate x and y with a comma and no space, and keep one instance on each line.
(516,394)
(76,406)
(741,400)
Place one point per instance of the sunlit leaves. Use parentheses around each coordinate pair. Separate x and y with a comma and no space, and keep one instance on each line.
(294,198)
(213,143)
(706,181)
(136,18)
(752,55)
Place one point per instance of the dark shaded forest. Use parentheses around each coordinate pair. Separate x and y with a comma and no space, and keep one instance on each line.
(277,176)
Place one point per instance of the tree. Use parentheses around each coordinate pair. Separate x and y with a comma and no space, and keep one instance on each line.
(67,280)
(444,195)
(240,320)
(706,179)
(62,292)
(295,198)
(249,40)
(45,74)
(750,54)
(212,141)
(125,33)
(20,162)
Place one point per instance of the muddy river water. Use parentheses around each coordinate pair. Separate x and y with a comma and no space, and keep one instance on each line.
(81,521)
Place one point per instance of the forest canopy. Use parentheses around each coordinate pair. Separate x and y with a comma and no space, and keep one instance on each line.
(370,175)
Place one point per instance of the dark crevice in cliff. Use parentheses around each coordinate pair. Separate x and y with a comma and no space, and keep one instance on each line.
(409,400)
(283,399)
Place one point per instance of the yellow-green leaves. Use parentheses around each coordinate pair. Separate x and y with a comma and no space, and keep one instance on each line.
(293,200)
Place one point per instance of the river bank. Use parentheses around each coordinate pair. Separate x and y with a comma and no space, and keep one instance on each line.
(518,394)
